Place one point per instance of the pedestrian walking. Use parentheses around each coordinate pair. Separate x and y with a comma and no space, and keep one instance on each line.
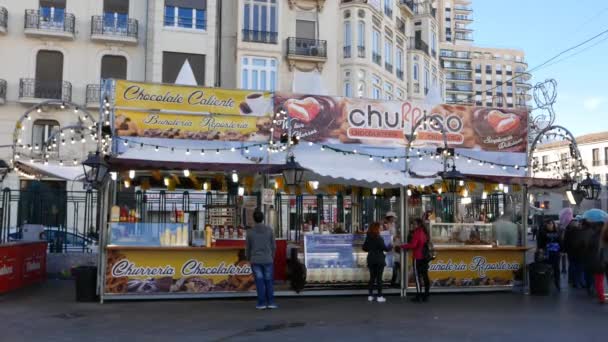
(593,223)
(376,261)
(549,242)
(260,252)
(420,261)
(576,275)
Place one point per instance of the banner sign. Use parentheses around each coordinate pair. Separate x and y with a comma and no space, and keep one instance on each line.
(461,268)
(220,127)
(151,96)
(327,119)
(177,271)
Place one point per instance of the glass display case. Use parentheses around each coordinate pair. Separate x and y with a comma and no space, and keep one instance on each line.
(339,259)
(149,234)
(462,234)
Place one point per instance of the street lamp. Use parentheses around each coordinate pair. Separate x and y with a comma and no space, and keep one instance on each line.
(95,169)
(590,187)
(293,172)
(452,179)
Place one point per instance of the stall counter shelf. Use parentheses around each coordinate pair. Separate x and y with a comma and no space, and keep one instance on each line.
(468,259)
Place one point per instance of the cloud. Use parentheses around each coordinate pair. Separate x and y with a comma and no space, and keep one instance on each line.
(593,103)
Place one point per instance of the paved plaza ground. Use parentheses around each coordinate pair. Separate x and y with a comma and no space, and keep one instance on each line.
(48,312)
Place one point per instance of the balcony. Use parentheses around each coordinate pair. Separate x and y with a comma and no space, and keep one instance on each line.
(457,89)
(33,91)
(465,37)
(361,51)
(92,95)
(459,78)
(521,78)
(2,91)
(407,6)
(463,9)
(459,17)
(39,23)
(346,51)
(418,44)
(263,37)
(388,67)
(457,66)
(376,58)
(3,20)
(110,28)
(400,74)
(307,51)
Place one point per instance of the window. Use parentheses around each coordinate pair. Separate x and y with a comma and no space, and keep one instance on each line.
(347,39)
(388,91)
(415,71)
(361,89)
(400,94)
(186,14)
(183,68)
(388,55)
(596,156)
(388,8)
(376,47)
(116,15)
(348,89)
(399,63)
(545,163)
(426,81)
(49,75)
(376,88)
(434,43)
(43,130)
(306,25)
(114,67)
(260,21)
(605,155)
(259,73)
(52,13)
(361,38)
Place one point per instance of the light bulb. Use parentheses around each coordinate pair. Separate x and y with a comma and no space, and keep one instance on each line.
(131,174)
(205,186)
(127,183)
(235,177)
(113,175)
(241,191)
(186,173)
(409,192)
(166,181)
(374,191)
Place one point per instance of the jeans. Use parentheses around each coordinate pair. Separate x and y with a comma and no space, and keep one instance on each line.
(576,274)
(375,278)
(421,270)
(264,283)
(553,260)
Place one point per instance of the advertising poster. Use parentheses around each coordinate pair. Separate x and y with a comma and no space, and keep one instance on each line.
(219,127)
(473,268)
(177,271)
(334,120)
(149,96)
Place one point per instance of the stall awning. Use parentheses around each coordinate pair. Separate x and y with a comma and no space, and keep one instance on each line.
(357,170)
(539,183)
(216,157)
(51,170)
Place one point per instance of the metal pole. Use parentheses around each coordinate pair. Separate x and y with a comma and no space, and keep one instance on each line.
(525,238)
(404,231)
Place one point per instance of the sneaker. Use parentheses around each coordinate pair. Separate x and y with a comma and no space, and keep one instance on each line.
(370,298)
(260,307)
(381,299)
(272,307)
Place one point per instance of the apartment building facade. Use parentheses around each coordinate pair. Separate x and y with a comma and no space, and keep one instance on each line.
(552,160)
(488,77)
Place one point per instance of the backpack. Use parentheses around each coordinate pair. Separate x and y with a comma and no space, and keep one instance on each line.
(428,250)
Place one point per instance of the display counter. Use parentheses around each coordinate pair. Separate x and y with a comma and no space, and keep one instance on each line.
(22,264)
(468,259)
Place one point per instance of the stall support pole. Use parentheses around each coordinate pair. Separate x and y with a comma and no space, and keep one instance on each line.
(107,192)
(525,204)
(404,231)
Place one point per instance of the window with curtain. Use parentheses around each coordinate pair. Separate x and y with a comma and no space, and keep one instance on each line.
(188,14)
(415,71)
(348,89)
(347,39)
(361,38)
(52,12)
(260,21)
(259,73)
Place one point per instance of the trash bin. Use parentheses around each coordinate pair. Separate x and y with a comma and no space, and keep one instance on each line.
(541,278)
(86,283)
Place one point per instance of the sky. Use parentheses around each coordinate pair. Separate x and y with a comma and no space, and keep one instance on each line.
(543,28)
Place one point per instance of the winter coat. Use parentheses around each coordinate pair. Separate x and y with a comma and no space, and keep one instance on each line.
(375,248)
(590,249)
(569,243)
(550,242)
(419,239)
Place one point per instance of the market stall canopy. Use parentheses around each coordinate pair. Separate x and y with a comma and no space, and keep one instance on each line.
(530,182)
(337,168)
(51,170)
(137,157)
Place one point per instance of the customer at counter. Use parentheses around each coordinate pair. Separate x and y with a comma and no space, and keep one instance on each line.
(506,230)
(260,251)
(376,261)
(420,238)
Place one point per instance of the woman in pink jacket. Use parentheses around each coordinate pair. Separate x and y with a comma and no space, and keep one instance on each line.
(421,265)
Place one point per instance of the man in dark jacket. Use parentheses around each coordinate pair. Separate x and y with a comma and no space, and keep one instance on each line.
(261,249)
(576,276)
(589,244)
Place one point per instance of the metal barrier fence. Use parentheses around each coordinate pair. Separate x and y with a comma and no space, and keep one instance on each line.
(69,218)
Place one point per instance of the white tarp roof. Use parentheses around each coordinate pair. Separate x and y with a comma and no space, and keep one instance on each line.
(55,170)
(333,167)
